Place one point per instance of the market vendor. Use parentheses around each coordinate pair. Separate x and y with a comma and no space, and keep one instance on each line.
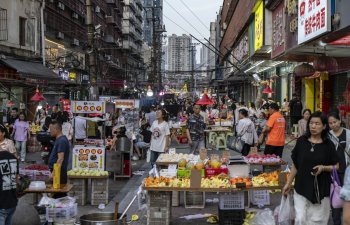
(195,130)
(60,151)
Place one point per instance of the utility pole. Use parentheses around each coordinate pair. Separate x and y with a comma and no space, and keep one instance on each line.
(91,54)
(193,50)
(157,30)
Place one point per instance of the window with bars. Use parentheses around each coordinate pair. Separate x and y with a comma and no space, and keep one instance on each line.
(3,25)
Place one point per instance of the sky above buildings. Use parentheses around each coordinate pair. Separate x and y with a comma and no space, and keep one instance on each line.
(177,11)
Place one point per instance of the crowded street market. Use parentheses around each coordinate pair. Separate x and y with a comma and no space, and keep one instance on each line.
(113,113)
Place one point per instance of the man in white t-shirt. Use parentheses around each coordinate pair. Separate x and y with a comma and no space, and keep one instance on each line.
(160,140)
(80,129)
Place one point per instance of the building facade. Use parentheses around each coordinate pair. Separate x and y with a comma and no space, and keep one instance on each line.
(157,7)
(179,54)
(132,39)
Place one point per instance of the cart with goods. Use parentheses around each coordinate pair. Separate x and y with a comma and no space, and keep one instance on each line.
(193,176)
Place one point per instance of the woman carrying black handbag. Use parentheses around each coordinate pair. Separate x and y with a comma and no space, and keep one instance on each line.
(246,131)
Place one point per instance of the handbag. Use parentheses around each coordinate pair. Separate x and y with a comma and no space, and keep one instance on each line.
(235,143)
(335,199)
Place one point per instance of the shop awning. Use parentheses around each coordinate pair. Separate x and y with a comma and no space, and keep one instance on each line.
(32,70)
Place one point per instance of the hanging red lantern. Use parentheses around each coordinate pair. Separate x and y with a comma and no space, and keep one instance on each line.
(304,70)
(326,64)
(205,100)
(37,97)
(267,90)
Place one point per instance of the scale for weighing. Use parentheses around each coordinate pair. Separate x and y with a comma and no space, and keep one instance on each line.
(238,167)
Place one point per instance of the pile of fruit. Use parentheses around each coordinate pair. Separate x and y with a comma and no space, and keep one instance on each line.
(84,172)
(37,167)
(245,181)
(177,157)
(157,182)
(265,180)
(212,182)
(263,159)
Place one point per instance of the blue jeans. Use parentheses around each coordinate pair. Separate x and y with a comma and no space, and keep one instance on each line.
(6,216)
(154,157)
(21,149)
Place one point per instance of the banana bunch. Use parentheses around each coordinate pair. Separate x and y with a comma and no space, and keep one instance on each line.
(180,182)
(248,218)
(213,219)
(215,182)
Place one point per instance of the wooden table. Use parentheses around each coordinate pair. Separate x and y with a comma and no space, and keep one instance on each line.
(65,188)
(211,189)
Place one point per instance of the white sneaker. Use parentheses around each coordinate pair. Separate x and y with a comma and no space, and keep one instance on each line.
(135,158)
(22,160)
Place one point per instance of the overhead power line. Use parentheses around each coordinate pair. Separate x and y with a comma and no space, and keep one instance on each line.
(189,9)
(184,19)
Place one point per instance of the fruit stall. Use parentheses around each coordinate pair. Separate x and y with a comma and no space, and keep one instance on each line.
(193,176)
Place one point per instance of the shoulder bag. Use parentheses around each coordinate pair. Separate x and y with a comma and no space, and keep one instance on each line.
(335,199)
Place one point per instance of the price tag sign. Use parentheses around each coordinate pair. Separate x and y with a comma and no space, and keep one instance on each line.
(172,150)
(172,167)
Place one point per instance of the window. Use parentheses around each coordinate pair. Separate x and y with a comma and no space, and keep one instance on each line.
(22,31)
(3,25)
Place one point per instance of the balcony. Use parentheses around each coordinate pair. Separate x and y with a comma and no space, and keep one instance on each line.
(139,3)
(129,45)
(130,3)
(111,20)
(110,39)
(110,2)
(129,29)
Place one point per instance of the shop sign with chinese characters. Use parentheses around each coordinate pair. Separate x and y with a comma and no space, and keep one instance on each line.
(127,103)
(278,31)
(314,19)
(98,107)
(291,29)
(259,26)
(241,51)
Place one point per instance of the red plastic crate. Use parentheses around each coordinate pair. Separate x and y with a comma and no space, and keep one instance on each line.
(209,172)
(183,140)
(126,169)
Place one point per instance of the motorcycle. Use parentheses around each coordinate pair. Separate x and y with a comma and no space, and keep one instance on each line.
(47,143)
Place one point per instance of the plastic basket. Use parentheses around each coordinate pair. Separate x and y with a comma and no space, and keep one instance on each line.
(175,198)
(232,200)
(61,214)
(209,172)
(231,216)
(158,199)
(194,199)
(260,197)
(158,215)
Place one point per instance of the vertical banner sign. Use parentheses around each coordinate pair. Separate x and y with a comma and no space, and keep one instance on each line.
(278,31)
(314,19)
(259,27)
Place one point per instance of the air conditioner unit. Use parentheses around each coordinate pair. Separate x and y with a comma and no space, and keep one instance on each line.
(75,15)
(224,25)
(60,5)
(75,42)
(60,35)
(108,57)
(97,9)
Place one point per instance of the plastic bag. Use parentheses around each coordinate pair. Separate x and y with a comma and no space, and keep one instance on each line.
(286,212)
(264,217)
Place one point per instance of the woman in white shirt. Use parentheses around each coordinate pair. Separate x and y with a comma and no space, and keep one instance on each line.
(160,140)
(246,130)
(214,112)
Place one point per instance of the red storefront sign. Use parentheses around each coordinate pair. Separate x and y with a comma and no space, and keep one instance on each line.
(278,31)
(241,51)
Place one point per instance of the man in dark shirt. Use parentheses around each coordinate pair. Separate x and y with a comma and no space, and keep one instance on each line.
(295,108)
(146,139)
(195,130)
(60,151)
(8,182)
